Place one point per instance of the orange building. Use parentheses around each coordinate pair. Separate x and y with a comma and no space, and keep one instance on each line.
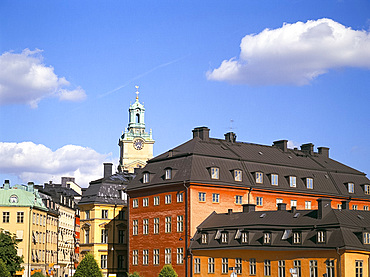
(179,189)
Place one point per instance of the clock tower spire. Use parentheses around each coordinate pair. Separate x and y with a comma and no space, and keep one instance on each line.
(136,145)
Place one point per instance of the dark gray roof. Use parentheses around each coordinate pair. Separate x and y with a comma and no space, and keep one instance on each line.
(343,229)
(192,160)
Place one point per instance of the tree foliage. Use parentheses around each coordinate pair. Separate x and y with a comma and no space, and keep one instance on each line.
(8,252)
(88,267)
(167,271)
(38,274)
(135,274)
(3,269)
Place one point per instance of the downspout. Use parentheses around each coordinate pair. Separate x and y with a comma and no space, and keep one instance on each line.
(186,229)
(114,229)
(339,263)
(249,193)
(29,242)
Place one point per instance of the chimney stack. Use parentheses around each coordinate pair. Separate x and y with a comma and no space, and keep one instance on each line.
(324,207)
(230,137)
(281,144)
(324,151)
(307,148)
(345,205)
(108,169)
(201,132)
(229,211)
(249,208)
(281,206)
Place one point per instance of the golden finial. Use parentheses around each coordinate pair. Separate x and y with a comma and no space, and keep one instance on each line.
(137,92)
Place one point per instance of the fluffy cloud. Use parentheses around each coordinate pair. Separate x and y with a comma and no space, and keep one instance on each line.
(24,79)
(38,163)
(295,54)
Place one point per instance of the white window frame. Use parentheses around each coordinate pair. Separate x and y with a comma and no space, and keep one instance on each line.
(180,223)
(180,197)
(197,265)
(238,175)
(351,188)
(308,205)
(168,224)
(293,181)
(135,203)
(168,199)
(145,257)
(145,226)
(156,200)
(215,198)
(202,196)
(180,255)
(135,257)
(259,201)
(225,265)
(211,265)
(167,256)
(135,227)
(309,183)
(215,173)
(267,238)
(293,203)
(155,256)
(259,177)
(238,199)
(156,225)
(145,202)
(274,179)
(146,177)
(168,174)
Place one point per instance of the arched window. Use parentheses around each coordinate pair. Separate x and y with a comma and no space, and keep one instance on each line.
(137,118)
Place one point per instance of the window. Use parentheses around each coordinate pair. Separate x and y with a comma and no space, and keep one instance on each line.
(252,266)
(121,261)
(313,268)
(135,203)
(351,188)
(156,200)
(292,181)
(244,237)
(121,215)
(180,255)
(321,236)
(104,236)
(225,265)
(307,205)
(33,219)
(238,199)
(297,237)
(121,236)
(87,214)
(354,207)
(266,238)
(87,235)
(167,199)
(211,265)
(215,173)
(145,257)
(104,213)
(238,175)
(366,208)
(156,256)
(259,177)
(168,174)
(146,177)
(145,202)
(278,200)
(135,227)
(20,217)
(330,268)
(145,226)
(297,266)
(103,261)
(267,268)
(168,224)
(197,265)
(281,268)
(202,196)
(215,198)
(180,197)
(367,189)
(358,268)
(259,201)
(156,225)
(6,216)
(238,266)
(309,183)
(366,238)
(274,179)
(37,219)
(180,223)
(135,257)
(167,256)
(293,203)
(204,238)
(224,237)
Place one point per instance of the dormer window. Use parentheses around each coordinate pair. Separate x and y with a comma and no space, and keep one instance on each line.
(351,187)
(367,189)
(297,237)
(321,236)
(215,173)
(274,179)
(259,177)
(267,238)
(224,236)
(244,237)
(309,183)
(146,177)
(237,175)
(366,238)
(204,238)
(292,181)
(168,174)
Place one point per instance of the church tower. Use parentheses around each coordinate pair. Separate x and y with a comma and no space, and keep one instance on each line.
(136,145)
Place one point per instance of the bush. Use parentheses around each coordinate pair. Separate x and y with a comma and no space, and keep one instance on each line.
(167,271)
(88,267)
(3,269)
(38,274)
(135,274)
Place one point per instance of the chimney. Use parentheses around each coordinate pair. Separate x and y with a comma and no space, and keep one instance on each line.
(229,211)
(294,209)
(281,206)
(307,148)
(6,184)
(345,205)
(30,186)
(249,208)
(230,137)
(324,207)
(324,151)
(108,169)
(281,144)
(201,132)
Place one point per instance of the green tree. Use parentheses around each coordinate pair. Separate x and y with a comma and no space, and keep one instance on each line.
(167,271)
(135,274)
(38,274)
(8,252)
(88,267)
(3,269)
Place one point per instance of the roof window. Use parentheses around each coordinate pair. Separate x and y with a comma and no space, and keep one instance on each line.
(146,177)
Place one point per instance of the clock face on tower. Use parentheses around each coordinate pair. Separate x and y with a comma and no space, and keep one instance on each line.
(138,144)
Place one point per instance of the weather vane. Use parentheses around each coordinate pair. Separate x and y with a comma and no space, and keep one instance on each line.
(137,92)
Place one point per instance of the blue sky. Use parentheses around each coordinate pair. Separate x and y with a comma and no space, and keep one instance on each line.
(295,70)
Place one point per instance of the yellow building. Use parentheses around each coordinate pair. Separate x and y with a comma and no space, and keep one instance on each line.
(104,222)
(25,215)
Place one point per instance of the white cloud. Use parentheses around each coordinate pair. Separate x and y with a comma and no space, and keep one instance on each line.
(295,54)
(37,163)
(24,79)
